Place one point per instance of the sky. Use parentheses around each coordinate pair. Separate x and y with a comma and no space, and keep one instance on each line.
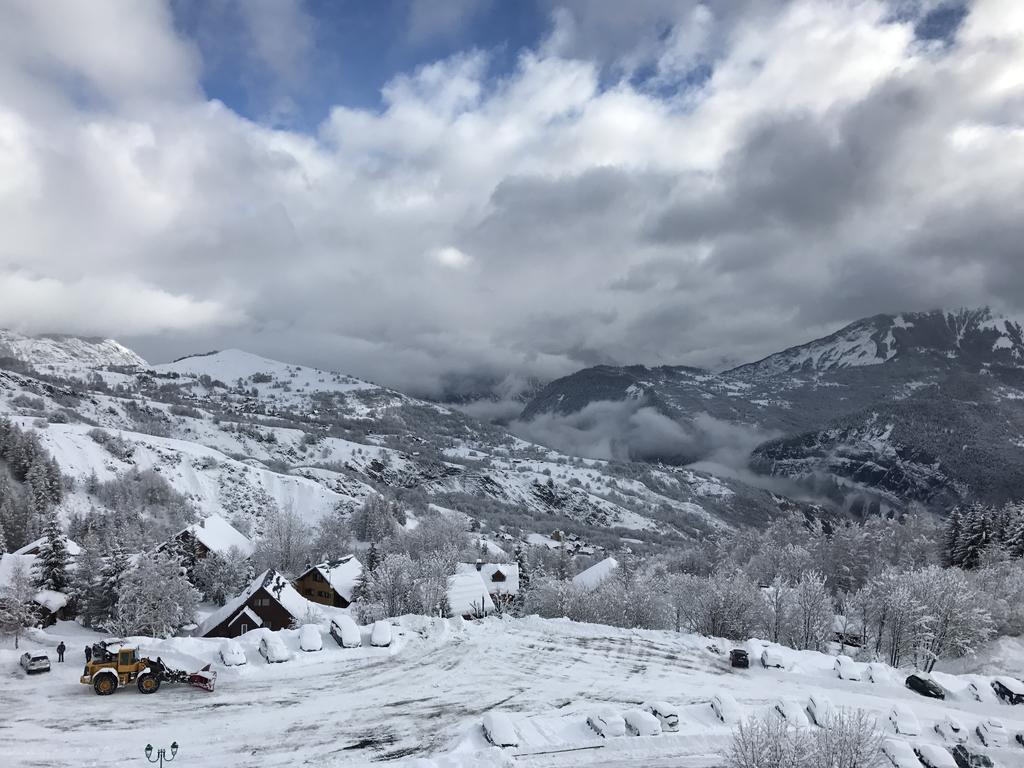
(427,193)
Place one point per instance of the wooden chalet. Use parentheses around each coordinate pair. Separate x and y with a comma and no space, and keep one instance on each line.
(331,583)
(269,601)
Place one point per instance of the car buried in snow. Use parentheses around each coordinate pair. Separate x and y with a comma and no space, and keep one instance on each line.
(346,632)
(951,730)
(992,732)
(34,661)
(879,674)
(847,669)
(310,639)
(1010,690)
(641,723)
(725,708)
(770,657)
(272,648)
(231,654)
(924,684)
(934,756)
(607,724)
(903,721)
(667,714)
(791,712)
(380,635)
(900,754)
(965,758)
(499,731)
(821,710)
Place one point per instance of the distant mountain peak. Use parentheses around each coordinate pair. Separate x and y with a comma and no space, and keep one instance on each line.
(977,336)
(64,350)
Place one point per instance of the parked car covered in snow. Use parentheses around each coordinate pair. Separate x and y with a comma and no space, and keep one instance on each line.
(35,661)
(725,708)
(922,683)
(1009,689)
(380,636)
(879,674)
(770,657)
(272,649)
(231,654)
(900,753)
(310,639)
(934,756)
(965,758)
(345,632)
(667,714)
(992,732)
(903,721)
(846,668)
(977,692)
(499,731)
(739,658)
(950,729)
(791,712)
(606,723)
(821,710)
(641,723)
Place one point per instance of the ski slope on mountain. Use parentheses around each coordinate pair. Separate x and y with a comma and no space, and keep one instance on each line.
(424,697)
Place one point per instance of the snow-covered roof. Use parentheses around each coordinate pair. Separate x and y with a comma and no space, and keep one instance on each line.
(509,585)
(343,575)
(467,592)
(595,574)
(8,562)
(32,548)
(218,535)
(277,586)
(50,600)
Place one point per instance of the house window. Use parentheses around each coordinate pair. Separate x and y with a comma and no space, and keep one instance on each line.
(261,602)
(243,628)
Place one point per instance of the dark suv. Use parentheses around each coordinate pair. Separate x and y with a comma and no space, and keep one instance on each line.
(739,658)
(925,686)
(966,759)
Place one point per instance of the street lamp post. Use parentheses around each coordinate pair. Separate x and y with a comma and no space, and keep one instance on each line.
(160,757)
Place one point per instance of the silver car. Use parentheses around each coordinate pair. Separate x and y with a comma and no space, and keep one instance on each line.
(35,661)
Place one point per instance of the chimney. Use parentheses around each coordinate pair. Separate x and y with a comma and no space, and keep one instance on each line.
(479,564)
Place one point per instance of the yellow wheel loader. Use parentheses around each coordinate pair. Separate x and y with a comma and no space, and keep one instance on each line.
(113,664)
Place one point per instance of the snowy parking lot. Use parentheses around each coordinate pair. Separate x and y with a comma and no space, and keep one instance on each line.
(425,696)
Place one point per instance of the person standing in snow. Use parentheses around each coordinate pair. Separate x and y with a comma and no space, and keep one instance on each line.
(88,654)
(60,651)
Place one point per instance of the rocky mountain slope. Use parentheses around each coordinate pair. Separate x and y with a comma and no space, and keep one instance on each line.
(241,435)
(893,409)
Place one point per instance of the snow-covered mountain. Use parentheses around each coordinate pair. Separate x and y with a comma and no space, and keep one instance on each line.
(238,435)
(60,351)
(972,336)
(891,409)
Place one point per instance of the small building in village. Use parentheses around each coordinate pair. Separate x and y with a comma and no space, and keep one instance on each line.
(468,595)
(500,578)
(35,547)
(48,605)
(270,601)
(213,534)
(592,577)
(331,583)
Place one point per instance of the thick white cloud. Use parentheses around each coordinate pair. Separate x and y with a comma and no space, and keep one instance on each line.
(830,166)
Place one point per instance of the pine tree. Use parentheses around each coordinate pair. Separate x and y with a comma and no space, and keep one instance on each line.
(372,558)
(1015,535)
(524,578)
(3,537)
(976,537)
(951,537)
(52,567)
(87,583)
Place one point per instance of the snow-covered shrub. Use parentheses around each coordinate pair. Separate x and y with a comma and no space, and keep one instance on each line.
(767,741)
(220,577)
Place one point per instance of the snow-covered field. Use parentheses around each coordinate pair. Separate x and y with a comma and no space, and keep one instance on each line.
(421,701)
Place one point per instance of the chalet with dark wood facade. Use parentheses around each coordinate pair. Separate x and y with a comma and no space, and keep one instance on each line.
(270,601)
(331,583)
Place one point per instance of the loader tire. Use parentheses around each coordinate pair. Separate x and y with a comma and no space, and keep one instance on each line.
(104,685)
(148,683)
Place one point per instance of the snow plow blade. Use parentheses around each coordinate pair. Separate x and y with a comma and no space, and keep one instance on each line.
(205,678)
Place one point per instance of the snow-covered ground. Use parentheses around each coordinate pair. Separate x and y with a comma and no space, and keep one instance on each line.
(423,699)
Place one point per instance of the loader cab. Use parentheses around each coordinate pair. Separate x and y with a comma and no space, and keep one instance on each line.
(127,657)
